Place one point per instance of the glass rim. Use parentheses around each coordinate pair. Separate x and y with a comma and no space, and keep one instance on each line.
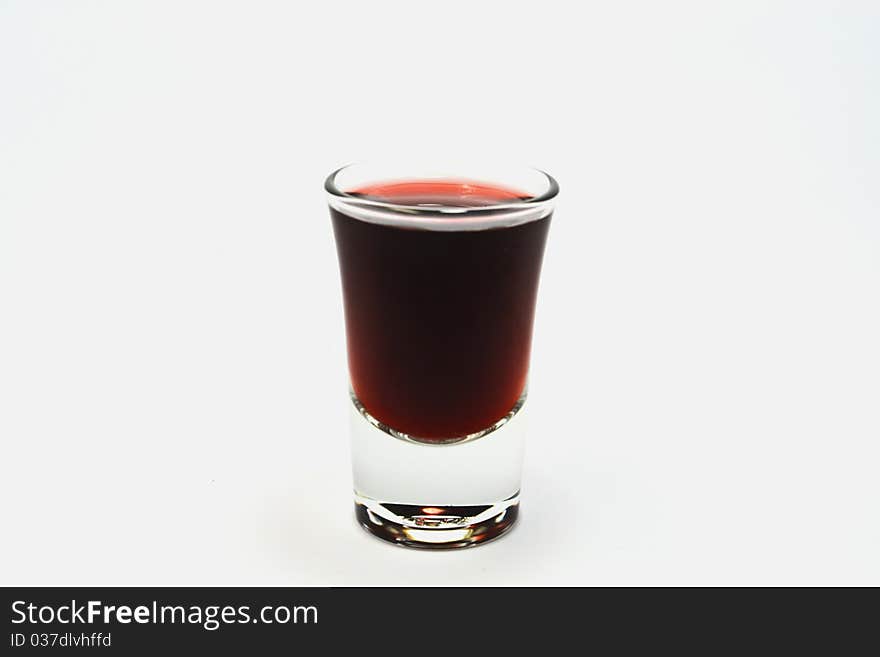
(550,193)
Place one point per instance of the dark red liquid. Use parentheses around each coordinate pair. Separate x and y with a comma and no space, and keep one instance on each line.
(439,323)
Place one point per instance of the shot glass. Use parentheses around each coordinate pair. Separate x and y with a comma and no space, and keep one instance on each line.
(440,268)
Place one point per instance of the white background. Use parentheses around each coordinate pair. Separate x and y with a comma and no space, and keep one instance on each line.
(705,391)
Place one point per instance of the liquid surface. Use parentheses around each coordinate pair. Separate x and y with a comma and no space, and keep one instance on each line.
(438,323)
(447,193)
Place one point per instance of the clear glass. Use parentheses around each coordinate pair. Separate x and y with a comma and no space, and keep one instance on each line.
(440,266)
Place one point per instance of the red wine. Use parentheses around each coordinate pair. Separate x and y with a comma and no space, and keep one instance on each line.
(439,322)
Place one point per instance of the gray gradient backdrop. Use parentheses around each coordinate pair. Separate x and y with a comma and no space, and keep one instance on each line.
(706,369)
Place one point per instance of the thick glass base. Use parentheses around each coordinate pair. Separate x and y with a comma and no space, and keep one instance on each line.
(439,494)
(436,527)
